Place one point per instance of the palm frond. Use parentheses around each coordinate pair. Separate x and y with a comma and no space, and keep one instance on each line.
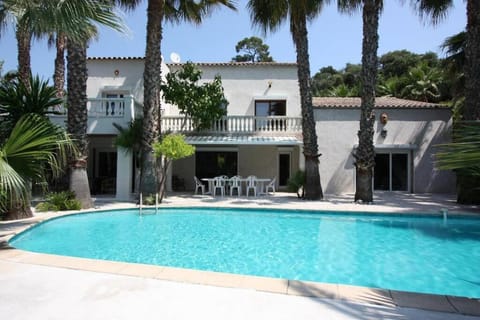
(464,152)
(34,146)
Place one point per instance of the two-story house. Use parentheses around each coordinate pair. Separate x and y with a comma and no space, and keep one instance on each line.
(261,134)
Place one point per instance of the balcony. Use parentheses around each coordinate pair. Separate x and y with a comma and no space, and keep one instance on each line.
(236,125)
(102,112)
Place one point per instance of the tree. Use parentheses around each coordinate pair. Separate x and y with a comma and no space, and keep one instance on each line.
(18,99)
(423,84)
(270,15)
(365,153)
(77,117)
(203,103)
(172,147)
(36,18)
(33,149)
(254,50)
(471,109)
(464,152)
(174,11)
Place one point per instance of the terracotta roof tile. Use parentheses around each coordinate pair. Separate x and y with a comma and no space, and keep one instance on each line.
(380,102)
(237,64)
(208,64)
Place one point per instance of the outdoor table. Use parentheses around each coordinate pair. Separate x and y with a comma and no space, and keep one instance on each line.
(261,185)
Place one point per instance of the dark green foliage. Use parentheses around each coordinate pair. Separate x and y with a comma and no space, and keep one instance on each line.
(59,201)
(296,183)
(254,51)
(337,83)
(401,74)
(203,103)
(17,100)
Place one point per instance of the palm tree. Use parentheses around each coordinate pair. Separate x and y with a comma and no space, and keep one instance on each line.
(77,117)
(423,83)
(365,152)
(33,149)
(174,11)
(18,99)
(471,109)
(270,15)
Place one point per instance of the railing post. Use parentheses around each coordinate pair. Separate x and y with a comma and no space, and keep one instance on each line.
(132,107)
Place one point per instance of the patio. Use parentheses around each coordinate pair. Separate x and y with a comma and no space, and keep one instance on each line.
(46,286)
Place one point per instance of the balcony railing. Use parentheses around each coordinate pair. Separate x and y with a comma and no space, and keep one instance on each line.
(108,108)
(237,124)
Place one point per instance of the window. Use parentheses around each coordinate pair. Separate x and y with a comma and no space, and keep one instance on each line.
(209,164)
(264,108)
(268,108)
(391,172)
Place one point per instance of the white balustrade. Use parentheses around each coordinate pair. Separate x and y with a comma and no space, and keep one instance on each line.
(236,124)
(106,107)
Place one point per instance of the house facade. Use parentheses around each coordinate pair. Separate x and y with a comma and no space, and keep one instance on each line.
(261,134)
(405,137)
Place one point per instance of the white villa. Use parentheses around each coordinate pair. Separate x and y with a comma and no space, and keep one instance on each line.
(261,134)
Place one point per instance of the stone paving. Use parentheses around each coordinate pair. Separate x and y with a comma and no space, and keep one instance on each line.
(54,287)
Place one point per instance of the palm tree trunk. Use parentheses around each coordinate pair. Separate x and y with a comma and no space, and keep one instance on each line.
(151,171)
(59,73)
(471,109)
(365,153)
(313,188)
(467,190)
(24,40)
(77,120)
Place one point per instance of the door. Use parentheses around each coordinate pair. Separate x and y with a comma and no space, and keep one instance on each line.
(392,171)
(105,178)
(284,165)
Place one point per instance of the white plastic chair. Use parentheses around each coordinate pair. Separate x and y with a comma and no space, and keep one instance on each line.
(198,185)
(251,185)
(218,183)
(236,183)
(271,185)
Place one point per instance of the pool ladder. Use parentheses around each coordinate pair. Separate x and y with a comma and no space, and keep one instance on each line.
(444,213)
(141,202)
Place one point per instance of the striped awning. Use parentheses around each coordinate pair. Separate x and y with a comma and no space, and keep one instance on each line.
(242,140)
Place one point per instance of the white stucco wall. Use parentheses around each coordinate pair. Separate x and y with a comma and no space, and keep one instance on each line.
(424,128)
(245,83)
(101,77)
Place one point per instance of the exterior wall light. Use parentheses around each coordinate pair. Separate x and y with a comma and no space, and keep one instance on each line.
(384,118)
(116,72)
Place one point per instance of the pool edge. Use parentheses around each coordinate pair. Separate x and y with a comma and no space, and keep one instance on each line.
(358,294)
(350,293)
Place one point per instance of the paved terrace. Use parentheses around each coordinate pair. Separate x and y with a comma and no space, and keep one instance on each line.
(45,286)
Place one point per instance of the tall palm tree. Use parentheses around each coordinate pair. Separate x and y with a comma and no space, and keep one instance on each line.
(471,109)
(174,11)
(270,15)
(365,152)
(77,117)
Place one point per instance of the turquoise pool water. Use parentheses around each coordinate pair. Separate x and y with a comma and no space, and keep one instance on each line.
(420,254)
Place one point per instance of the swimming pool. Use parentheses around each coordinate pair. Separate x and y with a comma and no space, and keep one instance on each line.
(413,253)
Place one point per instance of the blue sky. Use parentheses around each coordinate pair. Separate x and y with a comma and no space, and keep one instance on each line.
(334,38)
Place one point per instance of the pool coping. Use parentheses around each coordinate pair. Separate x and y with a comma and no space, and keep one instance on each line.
(357,294)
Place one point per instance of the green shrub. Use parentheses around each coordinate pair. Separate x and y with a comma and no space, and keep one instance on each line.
(149,200)
(296,183)
(46,206)
(59,201)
